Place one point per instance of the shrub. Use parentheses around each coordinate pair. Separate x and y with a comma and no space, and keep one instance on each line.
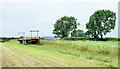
(86,38)
(104,52)
(76,38)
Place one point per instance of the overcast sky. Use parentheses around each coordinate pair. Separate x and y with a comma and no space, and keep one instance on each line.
(24,15)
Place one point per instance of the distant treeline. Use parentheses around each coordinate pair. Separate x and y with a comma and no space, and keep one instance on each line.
(86,38)
(5,39)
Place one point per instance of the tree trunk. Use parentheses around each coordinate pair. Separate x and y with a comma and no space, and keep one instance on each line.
(101,36)
(96,37)
(63,34)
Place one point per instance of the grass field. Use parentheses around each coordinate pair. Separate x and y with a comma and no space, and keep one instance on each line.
(60,53)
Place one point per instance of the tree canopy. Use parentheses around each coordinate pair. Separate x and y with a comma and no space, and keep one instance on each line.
(64,25)
(100,23)
(78,33)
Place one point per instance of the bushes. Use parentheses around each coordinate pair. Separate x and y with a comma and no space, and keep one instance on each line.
(86,38)
(4,39)
(111,39)
(76,38)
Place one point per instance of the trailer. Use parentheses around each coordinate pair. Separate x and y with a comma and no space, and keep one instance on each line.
(30,40)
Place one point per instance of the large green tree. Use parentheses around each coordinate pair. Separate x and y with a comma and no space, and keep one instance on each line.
(64,26)
(100,23)
(78,33)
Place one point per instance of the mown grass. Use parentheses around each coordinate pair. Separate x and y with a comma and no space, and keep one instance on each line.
(18,55)
(92,51)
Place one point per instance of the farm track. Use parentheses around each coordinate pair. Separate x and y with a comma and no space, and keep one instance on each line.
(16,56)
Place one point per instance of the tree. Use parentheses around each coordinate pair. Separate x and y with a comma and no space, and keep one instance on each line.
(100,23)
(78,33)
(64,26)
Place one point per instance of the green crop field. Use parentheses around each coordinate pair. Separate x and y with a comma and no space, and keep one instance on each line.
(60,53)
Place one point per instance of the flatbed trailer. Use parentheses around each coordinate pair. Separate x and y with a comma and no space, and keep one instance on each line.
(30,40)
(25,41)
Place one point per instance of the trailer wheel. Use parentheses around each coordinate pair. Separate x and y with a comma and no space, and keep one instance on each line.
(24,42)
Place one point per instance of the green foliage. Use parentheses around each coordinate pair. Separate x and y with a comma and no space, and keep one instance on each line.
(90,57)
(86,38)
(110,39)
(104,52)
(101,23)
(4,39)
(64,25)
(78,33)
(76,38)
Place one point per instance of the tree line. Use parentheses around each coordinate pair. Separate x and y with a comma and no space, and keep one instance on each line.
(100,23)
(6,39)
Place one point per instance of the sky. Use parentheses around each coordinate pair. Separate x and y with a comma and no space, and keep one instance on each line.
(25,15)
